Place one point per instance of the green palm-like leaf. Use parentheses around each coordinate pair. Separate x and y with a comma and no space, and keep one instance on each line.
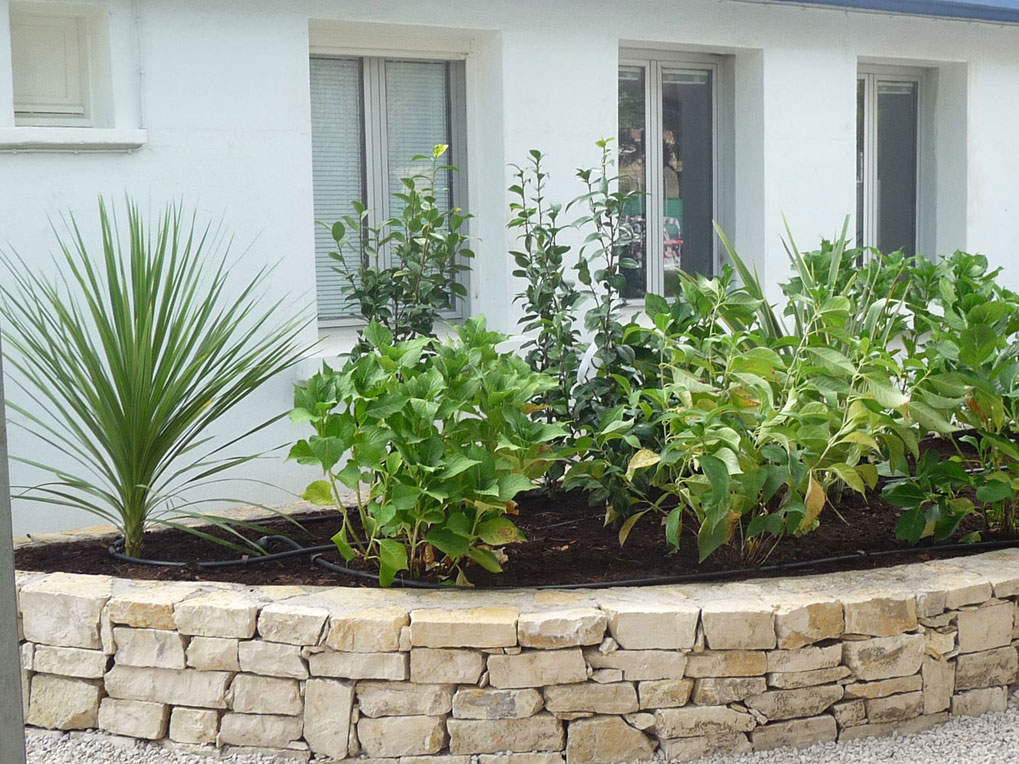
(134,352)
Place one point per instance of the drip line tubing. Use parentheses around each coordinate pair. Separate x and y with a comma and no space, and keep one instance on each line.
(116,550)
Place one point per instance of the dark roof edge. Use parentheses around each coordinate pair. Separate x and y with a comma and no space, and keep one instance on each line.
(950,9)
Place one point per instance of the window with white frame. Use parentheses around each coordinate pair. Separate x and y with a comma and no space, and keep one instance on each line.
(672,147)
(888,164)
(50,65)
(369,117)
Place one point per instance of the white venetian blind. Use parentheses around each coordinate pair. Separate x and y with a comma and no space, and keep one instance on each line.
(417,119)
(337,145)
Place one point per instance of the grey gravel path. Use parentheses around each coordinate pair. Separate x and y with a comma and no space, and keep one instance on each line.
(988,739)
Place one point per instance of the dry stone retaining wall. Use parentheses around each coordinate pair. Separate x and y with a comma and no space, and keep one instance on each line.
(522,677)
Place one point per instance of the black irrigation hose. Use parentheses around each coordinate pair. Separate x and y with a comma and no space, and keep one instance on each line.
(296,550)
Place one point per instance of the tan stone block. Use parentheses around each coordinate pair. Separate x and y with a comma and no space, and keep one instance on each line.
(292,624)
(796,679)
(884,687)
(359,665)
(428,666)
(226,613)
(470,703)
(542,732)
(537,669)
(402,735)
(64,609)
(884,657)
(213,654)
(68,661)
(327,714)
(263,730)
(642,720)
(149,608)
(404,699)
(804,659)
(987,669)
(880,614)
(998,568)
(521,758)
(797,733)
(908,727)
(639,664)
(375,630)
(803,621)
(777,705)
(726,663)
(940,644)
(599,698)
(606,740)
(266,695)
(738,624)
(653,625)
(436,759)
(977,702)
(850,713)
(475,627)
(694,748)
(986,627)
(694,721)
(938,685)
(156,648)
(665,693)
(606,676)
(60,703)
(721,691)
(204,689)
(554,629)
(272,659)
(895,708)
(196,726)
(134,718)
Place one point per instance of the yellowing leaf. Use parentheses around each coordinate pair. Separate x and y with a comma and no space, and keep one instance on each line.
(642,459)
(814,502)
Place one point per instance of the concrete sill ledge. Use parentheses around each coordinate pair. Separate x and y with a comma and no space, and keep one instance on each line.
(71,139)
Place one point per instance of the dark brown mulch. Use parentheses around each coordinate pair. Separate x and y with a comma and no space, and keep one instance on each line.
(567,544)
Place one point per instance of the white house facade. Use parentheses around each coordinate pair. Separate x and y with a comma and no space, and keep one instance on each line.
(272,114)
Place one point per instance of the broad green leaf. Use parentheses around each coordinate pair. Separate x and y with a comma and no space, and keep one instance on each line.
(497,531)
(627,526)
(832,361)
(485,559)
(392,554)
(447,542)
(910,527)
(319,493)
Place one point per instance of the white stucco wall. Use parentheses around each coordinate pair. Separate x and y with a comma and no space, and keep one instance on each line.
(221,89)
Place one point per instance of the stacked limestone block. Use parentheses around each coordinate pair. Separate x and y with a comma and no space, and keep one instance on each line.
(524,677)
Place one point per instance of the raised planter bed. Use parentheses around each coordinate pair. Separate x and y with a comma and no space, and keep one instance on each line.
(617,674)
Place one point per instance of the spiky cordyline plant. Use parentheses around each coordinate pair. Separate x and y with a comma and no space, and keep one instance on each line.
(133,352)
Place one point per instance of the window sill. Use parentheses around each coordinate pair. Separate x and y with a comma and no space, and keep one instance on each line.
(71,139)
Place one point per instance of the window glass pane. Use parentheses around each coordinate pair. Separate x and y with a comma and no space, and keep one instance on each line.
(417,114)
(688,173)
(896,165)
(633,167)
(337,145)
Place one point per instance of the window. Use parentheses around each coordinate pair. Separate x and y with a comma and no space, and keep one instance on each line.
(669,127)
(50,68)
(369,116)
(888,158)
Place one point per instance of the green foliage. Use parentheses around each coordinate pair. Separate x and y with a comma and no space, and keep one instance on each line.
(135,350)
(549,298)
(426,245)
(434,439)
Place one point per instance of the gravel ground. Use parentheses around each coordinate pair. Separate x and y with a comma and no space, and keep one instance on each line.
(988,739)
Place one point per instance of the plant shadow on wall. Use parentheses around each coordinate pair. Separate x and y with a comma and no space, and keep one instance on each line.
(721,418)
(131,354)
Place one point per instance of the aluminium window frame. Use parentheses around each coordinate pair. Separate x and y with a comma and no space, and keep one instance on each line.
(375,161)
(653,62)
(871,74)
